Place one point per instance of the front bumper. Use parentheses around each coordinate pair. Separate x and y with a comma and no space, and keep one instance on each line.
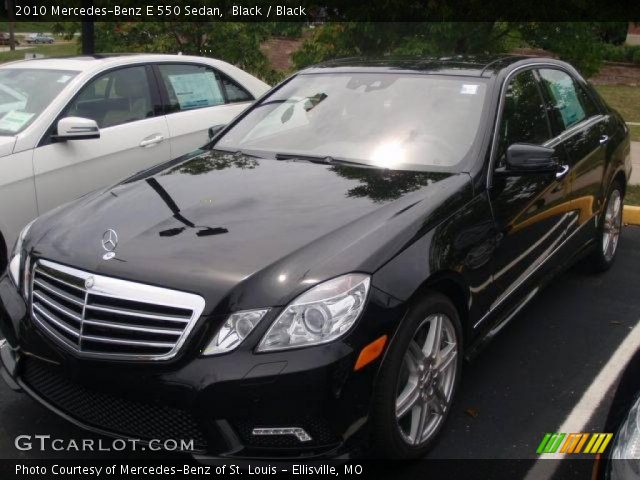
(216,402)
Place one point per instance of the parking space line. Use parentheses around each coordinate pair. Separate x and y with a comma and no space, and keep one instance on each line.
(579,417)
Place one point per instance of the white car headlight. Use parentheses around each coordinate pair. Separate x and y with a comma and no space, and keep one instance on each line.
(234,330)
(321,315)
(15,261)
(626,448)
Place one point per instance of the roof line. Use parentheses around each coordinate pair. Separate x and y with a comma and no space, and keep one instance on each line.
(496,60)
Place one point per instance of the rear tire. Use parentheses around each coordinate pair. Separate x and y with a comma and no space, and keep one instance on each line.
(418,380)
(608,234)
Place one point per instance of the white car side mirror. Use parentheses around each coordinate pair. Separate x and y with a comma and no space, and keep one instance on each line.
(77,128)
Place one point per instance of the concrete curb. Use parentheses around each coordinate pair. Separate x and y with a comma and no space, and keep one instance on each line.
(631,215)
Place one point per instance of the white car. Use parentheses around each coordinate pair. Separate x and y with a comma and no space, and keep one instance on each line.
(69,126)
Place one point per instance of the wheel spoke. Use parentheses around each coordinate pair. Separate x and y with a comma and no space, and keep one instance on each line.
(447,355)
(415,356)
(616,208)
(439,402)
(434,337)
(420,419)
(407,399)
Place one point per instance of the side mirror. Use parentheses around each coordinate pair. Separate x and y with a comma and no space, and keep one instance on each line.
(77,128)
(523,157)
(215,130)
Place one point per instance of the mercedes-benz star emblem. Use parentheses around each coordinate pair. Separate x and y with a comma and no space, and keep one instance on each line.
(110,240)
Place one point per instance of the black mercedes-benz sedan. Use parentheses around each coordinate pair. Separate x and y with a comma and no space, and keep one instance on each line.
(310,282)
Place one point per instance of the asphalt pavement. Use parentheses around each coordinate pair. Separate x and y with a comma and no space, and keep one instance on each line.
(527,382)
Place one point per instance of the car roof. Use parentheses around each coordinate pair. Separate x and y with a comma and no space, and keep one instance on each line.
(463,65)
(99,62)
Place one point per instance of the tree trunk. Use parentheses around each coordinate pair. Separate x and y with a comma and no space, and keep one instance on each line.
(10,4)
(88,40)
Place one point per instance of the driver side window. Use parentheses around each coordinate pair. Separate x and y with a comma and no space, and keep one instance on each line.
(524,117)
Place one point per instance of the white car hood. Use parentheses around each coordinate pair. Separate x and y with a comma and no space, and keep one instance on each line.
(6,145)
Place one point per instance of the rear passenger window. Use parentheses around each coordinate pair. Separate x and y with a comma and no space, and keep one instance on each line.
(568,98)
(524,118)
(235,93)
(117,97)
(191,86)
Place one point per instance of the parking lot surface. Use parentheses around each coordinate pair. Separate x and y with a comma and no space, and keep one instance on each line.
(528,381)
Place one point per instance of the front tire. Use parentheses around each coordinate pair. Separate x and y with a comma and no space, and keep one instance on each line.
(608,234)
(418,380)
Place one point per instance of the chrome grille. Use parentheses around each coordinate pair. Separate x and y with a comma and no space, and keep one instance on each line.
(98,316)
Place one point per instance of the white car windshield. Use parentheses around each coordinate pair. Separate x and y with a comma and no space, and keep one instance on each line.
(25,93)
(384,119)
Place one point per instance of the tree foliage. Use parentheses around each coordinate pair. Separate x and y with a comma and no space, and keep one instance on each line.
(577,42)
(235,42)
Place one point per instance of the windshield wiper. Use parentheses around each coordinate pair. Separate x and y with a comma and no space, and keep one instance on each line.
(326,160)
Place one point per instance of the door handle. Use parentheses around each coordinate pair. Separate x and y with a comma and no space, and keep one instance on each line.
(562,171)
(147,142)
(604,139)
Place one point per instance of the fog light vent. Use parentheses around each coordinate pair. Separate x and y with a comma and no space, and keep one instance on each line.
(297,432)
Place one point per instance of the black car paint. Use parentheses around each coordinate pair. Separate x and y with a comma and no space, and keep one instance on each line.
(246,233)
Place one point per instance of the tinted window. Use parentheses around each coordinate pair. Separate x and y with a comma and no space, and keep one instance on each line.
(117,97)
(235,93)
(191,86)
(569,99)
(524,118)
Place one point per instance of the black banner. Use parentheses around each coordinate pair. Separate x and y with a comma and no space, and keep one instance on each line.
(322,10)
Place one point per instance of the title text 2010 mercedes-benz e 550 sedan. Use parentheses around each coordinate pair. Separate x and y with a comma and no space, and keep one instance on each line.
(311,281)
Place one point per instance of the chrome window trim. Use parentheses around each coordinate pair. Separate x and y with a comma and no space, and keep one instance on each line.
(552,141)
(126,290)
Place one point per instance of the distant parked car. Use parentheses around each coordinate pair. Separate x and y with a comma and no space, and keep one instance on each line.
(40,38)
(5,39)
(70,126)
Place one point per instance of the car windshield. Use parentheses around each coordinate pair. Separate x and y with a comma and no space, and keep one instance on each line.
(382,119)
(25,93)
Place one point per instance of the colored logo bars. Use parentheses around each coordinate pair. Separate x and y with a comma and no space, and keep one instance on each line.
(574,443)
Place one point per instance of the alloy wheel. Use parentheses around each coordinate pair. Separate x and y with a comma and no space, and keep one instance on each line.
(426,380)
(612,225)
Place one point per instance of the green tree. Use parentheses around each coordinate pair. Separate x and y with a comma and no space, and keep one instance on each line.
(577,42)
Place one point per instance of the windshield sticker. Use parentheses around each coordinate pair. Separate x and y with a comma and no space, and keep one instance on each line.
(64,78)
(14,120)
(469,89)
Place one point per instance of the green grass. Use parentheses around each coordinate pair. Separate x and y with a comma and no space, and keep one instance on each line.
(55,50)
(632,195)
(626,100)
(21,27)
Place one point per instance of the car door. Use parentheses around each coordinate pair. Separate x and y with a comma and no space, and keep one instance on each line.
(133,136)
(584,133)
(198,97)
(529,208)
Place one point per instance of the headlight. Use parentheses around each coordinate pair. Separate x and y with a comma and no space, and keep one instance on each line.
(234,330)
(321,315)
(626,448)
(15,260)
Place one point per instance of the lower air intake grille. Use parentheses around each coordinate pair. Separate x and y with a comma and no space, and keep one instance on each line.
(97,316)
(110,413)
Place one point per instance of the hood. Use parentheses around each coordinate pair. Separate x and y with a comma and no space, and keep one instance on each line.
(6,145)
(246,232)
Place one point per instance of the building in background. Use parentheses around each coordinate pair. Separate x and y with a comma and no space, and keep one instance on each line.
(633,34)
